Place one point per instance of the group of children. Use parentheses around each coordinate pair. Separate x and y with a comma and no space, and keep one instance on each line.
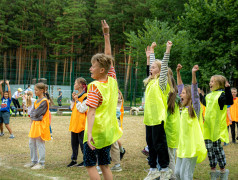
(167,129)
(94,124)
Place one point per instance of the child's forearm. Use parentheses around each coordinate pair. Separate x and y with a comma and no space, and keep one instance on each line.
(179,79)
(107,50)
(164,71)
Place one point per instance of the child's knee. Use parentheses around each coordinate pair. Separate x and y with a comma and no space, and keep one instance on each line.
(177,173)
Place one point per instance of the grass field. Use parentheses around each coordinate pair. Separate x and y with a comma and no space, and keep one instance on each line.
(14,153)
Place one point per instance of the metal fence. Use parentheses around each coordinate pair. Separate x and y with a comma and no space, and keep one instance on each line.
(62,74)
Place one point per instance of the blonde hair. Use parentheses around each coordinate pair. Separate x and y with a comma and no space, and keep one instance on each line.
(220,80)
(82,81)
(28,98)
(170,73)
(233,89)
(105,61)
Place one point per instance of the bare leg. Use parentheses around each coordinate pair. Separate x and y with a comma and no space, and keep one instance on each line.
(8,128)
(119,143)
(1,127)
(106,171)
(93,173)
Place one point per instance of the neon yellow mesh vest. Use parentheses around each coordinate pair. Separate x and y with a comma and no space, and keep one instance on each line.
(201,120)
(172,128)
(215,119)
(105,130)
(191,142)
(155,103)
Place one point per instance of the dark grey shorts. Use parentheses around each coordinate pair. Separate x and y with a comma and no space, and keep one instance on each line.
(4,117)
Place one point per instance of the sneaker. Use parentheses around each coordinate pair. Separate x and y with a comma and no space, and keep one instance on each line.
(237,138)
(215,174)
(153,175)
(224,176)
(116,168)
(99,170)
(80,164)
(2,134)
(146,153)
(52,138)
(38,166)
(20,115)
(166,175)
(72,164)
(11,136)
(226,144)
(29,165)
(122,154)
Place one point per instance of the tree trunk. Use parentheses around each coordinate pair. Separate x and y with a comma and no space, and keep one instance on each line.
(5,65)
(127,77)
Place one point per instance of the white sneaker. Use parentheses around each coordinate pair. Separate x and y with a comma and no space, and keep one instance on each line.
(2,134)
(99,170)
(153,174)
(38,166)
(166,175)
(11,136)
(116,168)
(29,165)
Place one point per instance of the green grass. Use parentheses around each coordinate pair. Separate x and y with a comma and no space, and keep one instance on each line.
(14,153)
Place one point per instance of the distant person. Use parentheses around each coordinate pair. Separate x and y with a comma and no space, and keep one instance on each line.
(59,100)
(15,97)
(5,109)
(28,89)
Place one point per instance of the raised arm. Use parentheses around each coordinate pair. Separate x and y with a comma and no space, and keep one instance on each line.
(179,79)
(105,29)
(148,52)
(1,82)
(164,67)
(194,89)
(9,90)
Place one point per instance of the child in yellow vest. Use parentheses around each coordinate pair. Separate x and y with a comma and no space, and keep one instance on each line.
(191,147)
(172,124)
(234,115)
(155,114)
(215,126)
(102,128)
(40,128)
(78,119)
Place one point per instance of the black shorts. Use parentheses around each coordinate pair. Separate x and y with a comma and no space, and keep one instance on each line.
(91,157)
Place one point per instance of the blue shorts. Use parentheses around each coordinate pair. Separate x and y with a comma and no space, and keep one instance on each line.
(91,157)
(4,117)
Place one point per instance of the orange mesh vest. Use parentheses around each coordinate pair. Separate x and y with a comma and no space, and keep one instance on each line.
(78,120)
(41,128)
(234,110)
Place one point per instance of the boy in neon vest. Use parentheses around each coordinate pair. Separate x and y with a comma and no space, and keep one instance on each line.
(215,127)
(102,128)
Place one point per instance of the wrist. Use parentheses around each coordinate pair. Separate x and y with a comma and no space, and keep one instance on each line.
(106,34)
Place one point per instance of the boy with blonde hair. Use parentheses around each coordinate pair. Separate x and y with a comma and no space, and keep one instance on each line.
(102,128)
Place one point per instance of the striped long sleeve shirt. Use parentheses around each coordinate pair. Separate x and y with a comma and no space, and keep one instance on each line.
(164,70)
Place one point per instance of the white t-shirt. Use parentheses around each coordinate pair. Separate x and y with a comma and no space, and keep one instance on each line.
(16,95)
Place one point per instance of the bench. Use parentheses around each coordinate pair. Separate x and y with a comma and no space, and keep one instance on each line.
(61,110)
(18,110)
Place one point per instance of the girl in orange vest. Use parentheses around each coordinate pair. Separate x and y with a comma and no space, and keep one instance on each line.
(78,119)
(40,128)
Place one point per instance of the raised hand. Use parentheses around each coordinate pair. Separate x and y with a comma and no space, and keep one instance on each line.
(153,45)
(7,81)
(105,27)
(227,84)
(195,68)
(168,46)
(148,51)
(179,67)
(1,82)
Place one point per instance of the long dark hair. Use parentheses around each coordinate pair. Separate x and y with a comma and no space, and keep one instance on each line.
(172,94)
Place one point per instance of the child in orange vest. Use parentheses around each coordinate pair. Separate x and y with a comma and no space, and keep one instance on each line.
(40,128)
(78,119)
(234,115)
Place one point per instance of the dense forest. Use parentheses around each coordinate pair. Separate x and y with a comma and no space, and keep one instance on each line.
(37,36)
